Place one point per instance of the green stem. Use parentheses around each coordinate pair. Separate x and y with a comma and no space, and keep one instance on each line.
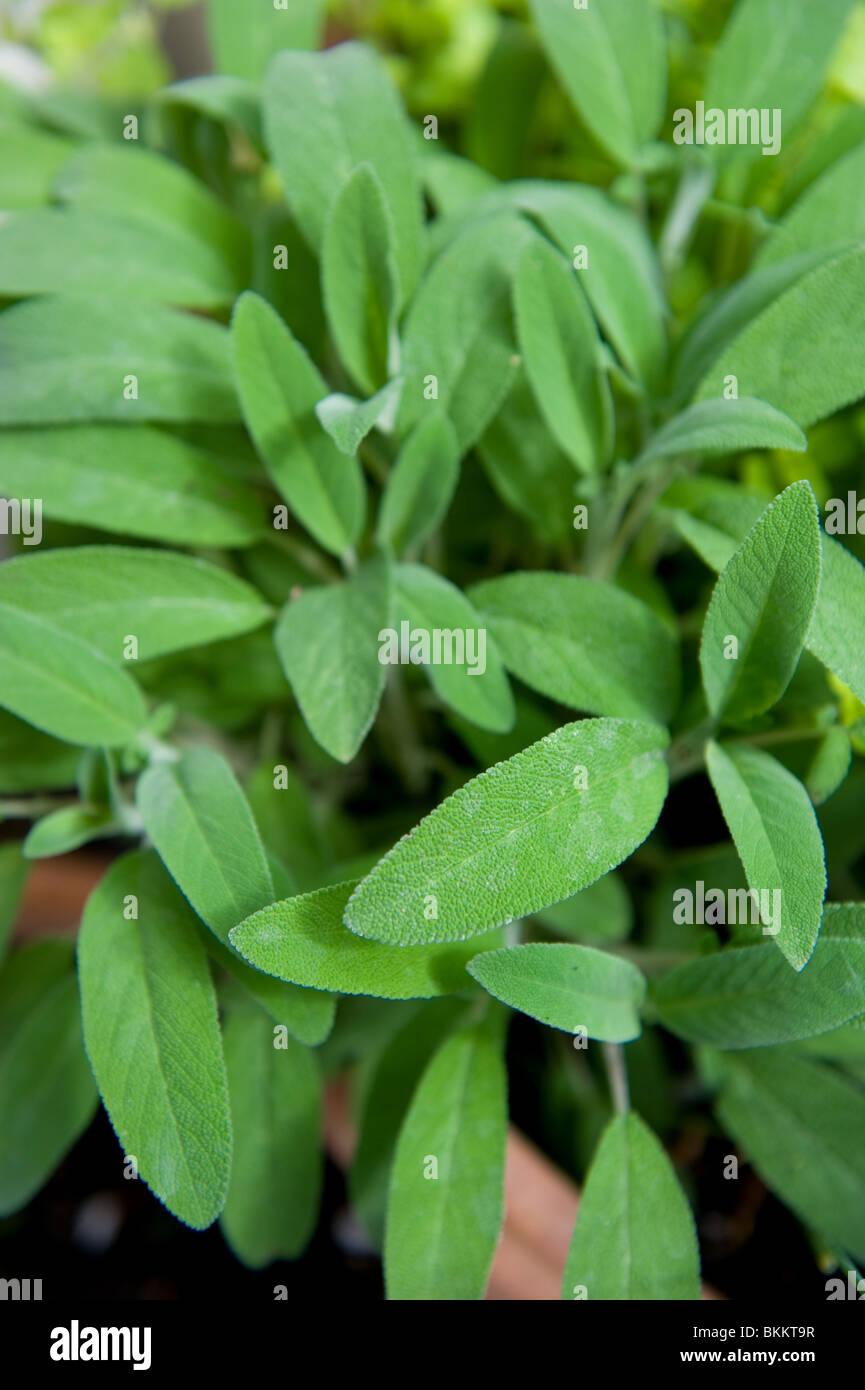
(617,1076)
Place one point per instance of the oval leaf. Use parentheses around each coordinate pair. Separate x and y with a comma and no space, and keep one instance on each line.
(311,105)
(279,389)
(764,599)
(725,427)
(476,687)
(561,352)
(801,1124)
(634,1237)
(567,987)
(522,835)
(441,1235)
(101,594)
(244,40)
(63,685)
(805,353)
(66,358)
(610,58)
(421,485)
(360,279)
(772,822)
(458,335)
(304,940)
(276,1170)
(327,641)
(582,642)
(152,1036)
(750,998)
(137,481)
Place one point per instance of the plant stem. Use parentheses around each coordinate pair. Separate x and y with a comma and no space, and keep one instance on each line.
(782,736)
(617,1075)
(30,808)
(687,754)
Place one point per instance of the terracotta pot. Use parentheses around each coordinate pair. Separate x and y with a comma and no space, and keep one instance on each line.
(540,1202)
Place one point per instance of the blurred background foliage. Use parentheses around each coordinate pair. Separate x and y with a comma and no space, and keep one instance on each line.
(78,66)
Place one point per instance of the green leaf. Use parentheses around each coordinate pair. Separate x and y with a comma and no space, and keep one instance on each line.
(221,97)
(421,486)
(279,389)
(478,689)
(610,58)
(318,138)
(348,421)
(67,357)
(139,183)
(441,1232)
(522,835)
(621,277)
(458,343)
(499,117)
(327,641)
(529,472)
(634,1238)
(582,642)
(749,997)
(360,280)
(837,636)
(561,351)
(805,353)
(731,312)
(201,824)
(307,1014)
(63,685)
(30,761)
(800,1123)
(601,912)
(13,876)
(165,490)
(772,57)
(450,181)
(104,594)
(567,987)
(243,39)
(303,940)
(199,820)
(152,1036)
(764,599)
(31,158)
(725,427)
(47,1096)
(285,814)
(276,1170)
(395,1072)
(830,213)
(67,829)
(772,822)
(829,765)
(136,258)
(719,517)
